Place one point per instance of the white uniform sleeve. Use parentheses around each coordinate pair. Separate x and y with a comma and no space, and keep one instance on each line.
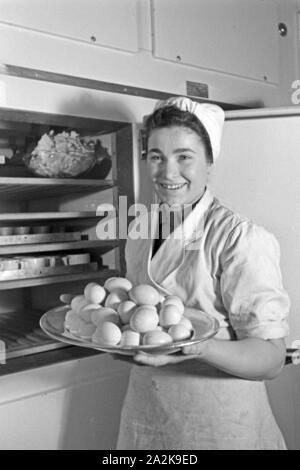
(251,284)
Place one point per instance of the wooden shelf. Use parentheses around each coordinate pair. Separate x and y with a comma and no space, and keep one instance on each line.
(41,281)
(31,188)
(35,216)
(102,246)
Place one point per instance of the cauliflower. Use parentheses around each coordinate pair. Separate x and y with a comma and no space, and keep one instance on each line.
(62,155)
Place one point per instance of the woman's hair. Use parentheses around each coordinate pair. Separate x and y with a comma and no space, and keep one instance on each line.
(170,116)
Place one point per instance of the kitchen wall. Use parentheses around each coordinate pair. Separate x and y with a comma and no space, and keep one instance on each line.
(233,46)
(72,405)
(258,175)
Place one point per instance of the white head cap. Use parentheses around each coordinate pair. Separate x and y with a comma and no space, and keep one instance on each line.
(210,115)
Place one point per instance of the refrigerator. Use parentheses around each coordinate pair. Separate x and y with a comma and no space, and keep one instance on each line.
(258,175)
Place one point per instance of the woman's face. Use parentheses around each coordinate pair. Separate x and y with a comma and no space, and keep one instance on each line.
(177,164)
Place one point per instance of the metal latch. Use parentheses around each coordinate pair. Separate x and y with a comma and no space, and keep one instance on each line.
(292,356)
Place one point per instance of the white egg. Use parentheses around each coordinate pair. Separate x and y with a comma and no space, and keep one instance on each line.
(125,310)
(78,302)
(144,294)
(179,332)
(186,322)
(174,300)
(103,314)
(106,283)
(169,315)
(130,338)
(86,330)
(108,334)
(74,323)
(94,293)
(69,314)
(71,319)
(157,338)
(114,299)
(144,319)
(118,283)
(86,311)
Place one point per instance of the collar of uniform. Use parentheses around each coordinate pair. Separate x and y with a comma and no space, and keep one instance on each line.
(193,224)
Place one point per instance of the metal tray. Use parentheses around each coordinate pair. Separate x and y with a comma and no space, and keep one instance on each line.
(205,327)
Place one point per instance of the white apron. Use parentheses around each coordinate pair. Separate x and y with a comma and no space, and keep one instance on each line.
(192,405)
(195,407)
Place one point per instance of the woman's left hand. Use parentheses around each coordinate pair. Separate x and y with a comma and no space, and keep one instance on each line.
(196,351)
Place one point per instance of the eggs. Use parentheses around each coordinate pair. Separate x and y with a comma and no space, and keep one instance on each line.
(94,293)
(86,311)
(103,314)
(186,322)
(115,297)
(174,300)
(179,332)
(86,331)
(78,326)
(144,319)
(125,310)
(144,294)
(72,321)
(169,315)
(114,283)
(157,338)
(130,338)
(108,334)
(119,314)
(78,302)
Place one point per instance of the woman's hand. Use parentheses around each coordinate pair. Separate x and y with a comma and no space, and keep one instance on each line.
(196,351)
(158,360)
(249,358)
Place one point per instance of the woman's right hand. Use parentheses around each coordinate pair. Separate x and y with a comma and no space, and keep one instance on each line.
(158,360)
(123,358)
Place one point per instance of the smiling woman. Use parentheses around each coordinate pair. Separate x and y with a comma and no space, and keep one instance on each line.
(181,147)
(178,164)
(218,262)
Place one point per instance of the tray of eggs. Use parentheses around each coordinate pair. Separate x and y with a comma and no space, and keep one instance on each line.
(125,319)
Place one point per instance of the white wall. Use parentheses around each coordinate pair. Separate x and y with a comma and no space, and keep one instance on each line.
(74,405)
(285,401)
(132,47)
(258,175)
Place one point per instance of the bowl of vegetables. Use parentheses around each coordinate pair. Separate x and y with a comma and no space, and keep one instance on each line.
(61,155)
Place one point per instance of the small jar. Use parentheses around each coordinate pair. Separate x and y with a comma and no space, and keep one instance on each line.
(22,230)
(9,264)
(34,262)
(41,229)
(5,231)
(80,258)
